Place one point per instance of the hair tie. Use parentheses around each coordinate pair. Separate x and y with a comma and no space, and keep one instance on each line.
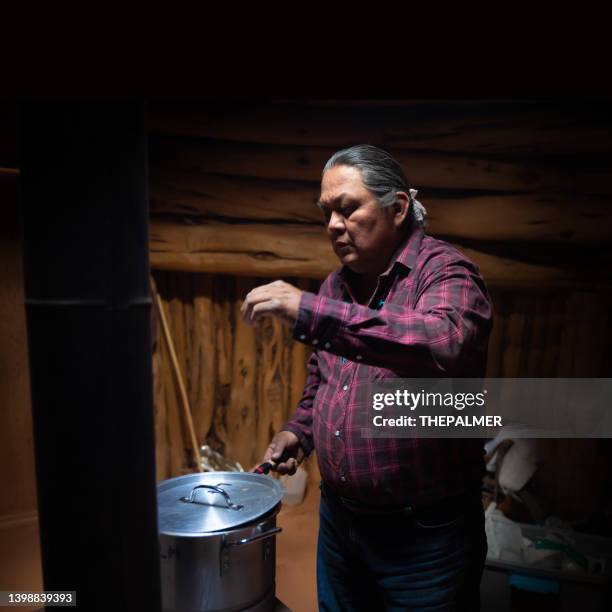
(420,212)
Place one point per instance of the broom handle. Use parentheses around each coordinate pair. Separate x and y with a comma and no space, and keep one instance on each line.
(179,378)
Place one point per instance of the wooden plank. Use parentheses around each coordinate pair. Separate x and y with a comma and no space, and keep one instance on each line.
(527,217)
(295,250)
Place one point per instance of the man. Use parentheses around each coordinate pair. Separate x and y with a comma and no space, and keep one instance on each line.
(401,520)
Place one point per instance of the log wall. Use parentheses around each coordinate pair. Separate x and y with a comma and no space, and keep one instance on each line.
(243,382)
(523,188)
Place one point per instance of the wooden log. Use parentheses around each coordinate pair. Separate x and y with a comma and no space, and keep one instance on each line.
(423,168)
(568,339)
(554,313)
(177,445)
(496,336)
(531,217)
(196,194)
(162,470)
(223,308)
(159,400)
(535,334)
(295,250)
(514,342)
(582,341)
(590,345)
(299,355)
(518,128)
(254,250)
(241,419)
(202,379)
(177,303)
(186,294)
(271,384)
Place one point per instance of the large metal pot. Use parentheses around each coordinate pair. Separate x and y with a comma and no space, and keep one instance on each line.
(217,541)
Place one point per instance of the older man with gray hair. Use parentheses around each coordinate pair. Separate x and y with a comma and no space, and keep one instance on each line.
(401,520)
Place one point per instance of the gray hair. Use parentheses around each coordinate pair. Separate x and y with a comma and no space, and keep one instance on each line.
(382,175)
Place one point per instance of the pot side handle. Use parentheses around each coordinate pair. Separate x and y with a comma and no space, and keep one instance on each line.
(261,536)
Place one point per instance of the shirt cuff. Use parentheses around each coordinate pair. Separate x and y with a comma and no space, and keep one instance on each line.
(305,441)
(312,326)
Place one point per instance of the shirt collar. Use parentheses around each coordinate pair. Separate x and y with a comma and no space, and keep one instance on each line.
(405,256)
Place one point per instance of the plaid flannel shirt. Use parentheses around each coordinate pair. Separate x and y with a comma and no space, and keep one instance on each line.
(430,316)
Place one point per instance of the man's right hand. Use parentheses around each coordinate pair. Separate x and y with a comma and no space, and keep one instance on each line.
(285,441)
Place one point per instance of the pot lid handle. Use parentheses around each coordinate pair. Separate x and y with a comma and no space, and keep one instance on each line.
(214,489)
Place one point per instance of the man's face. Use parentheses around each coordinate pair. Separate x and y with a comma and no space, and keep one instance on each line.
(361,232)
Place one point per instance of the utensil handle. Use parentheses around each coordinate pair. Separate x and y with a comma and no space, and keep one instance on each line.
(266,466)
(261,536)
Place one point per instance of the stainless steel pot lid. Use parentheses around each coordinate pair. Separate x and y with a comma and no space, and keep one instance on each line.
(195,504)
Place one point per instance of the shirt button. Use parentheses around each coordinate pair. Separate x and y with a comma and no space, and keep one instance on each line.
(359,357)
(327,345)
(302,337)
(315,342)
(345,388)
(337,433)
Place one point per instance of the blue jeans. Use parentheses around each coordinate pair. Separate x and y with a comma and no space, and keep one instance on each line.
(429,559)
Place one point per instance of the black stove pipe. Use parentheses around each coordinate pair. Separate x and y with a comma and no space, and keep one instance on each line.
(85,214)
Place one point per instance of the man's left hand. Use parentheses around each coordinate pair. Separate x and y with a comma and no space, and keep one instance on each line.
(277,299)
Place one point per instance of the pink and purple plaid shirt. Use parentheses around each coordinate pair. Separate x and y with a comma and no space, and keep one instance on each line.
(430,316)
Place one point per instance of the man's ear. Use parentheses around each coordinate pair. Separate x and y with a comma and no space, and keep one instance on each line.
(401,208)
